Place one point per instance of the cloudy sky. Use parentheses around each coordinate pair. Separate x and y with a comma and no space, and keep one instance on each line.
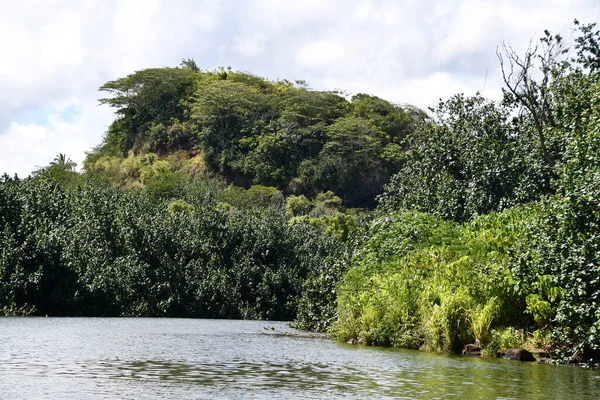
(56,53)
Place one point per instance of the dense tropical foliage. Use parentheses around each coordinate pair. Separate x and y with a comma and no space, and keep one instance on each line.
(256,132)
(223,194)
(96,250)
(424,281)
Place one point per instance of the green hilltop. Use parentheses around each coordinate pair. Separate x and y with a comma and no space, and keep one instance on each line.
(251,131)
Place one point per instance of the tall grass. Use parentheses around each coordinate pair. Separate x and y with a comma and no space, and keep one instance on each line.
(421,282)
(482,318)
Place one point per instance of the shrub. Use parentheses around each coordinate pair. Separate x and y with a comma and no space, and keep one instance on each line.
(179,206)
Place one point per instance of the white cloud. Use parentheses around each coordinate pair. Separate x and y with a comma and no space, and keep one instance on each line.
(57,53)
(27,146)
(320,54)
(292,14)
(250,45)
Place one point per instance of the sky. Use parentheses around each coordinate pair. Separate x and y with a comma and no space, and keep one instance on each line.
(57,53)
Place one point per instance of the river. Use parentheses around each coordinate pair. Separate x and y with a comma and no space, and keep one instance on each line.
(147,358)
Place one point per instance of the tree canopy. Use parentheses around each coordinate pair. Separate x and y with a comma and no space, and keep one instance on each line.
(253,131)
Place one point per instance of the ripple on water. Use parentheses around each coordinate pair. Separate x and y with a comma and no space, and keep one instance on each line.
(150,358)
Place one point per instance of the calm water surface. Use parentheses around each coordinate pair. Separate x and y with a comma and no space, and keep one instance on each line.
(85,358)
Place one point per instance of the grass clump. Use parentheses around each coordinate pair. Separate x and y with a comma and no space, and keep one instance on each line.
(418,281)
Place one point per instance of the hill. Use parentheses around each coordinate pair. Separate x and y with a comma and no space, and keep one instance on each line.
(251,131)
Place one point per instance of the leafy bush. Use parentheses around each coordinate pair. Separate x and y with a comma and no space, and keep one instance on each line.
(97,251)
(443,283)
(502,340)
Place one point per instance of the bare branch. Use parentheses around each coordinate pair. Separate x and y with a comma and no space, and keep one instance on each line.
(529,93)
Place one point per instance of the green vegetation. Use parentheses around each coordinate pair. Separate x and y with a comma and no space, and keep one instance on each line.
(222,194)
(423,281)
(251,131)
(473,159)
(98,251)
(419,281)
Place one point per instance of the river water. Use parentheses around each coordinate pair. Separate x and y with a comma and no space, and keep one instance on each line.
(127,358)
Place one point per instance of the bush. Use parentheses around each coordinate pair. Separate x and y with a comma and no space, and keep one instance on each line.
(438,283)
(94,250)
(504,339)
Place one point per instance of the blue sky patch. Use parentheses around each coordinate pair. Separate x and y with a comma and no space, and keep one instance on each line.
(41,115)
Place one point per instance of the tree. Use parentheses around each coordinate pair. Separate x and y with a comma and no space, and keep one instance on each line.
(469,161)
(190,64)
(546,58)
(144,100)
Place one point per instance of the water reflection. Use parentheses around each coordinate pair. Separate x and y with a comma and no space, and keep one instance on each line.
(146,358)
(299,375)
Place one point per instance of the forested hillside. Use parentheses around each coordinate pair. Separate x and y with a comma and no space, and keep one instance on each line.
(223,194)
(252,131)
